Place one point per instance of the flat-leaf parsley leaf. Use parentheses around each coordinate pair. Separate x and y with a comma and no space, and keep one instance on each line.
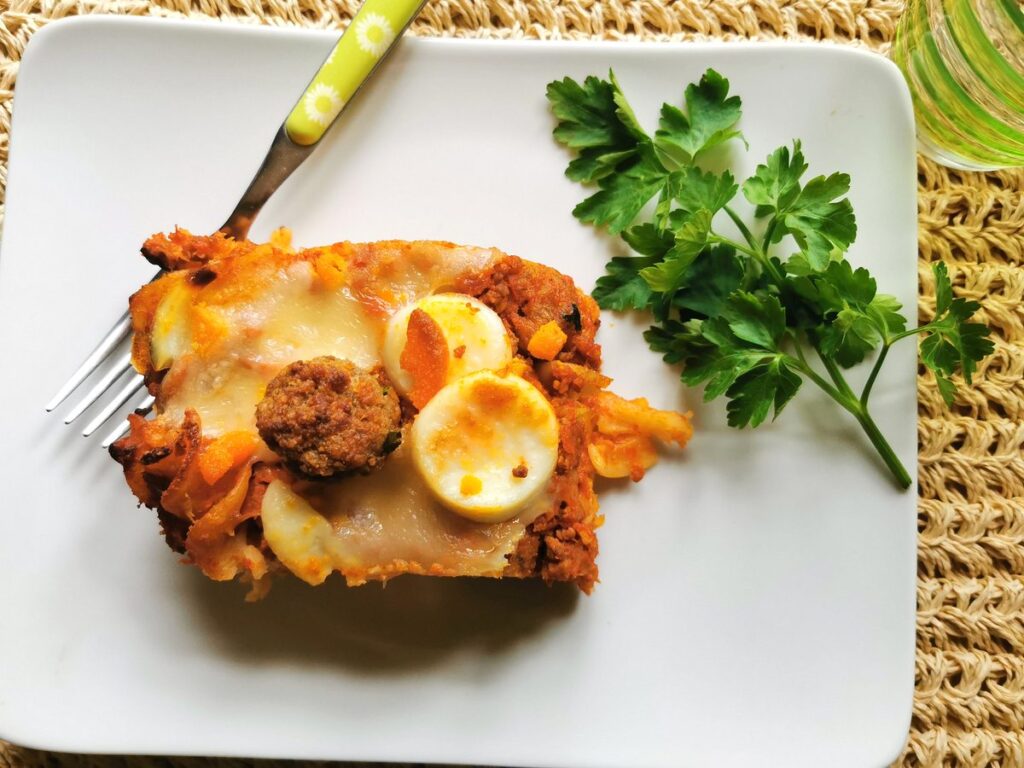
(736,316)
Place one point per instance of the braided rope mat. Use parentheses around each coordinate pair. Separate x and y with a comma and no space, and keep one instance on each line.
(969,700)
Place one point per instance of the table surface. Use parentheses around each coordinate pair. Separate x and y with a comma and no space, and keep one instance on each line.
(969,698)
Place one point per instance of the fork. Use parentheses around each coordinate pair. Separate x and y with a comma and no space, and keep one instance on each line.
(366,42)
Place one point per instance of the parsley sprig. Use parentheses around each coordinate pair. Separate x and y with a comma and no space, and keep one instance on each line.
(741,316)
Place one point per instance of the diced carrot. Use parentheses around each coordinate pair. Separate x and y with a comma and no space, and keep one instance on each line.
(330,270)
(547,341)
(208,329)
(224,454)
(425,357)
(281,238)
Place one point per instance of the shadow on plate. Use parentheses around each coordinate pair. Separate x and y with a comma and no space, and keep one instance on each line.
(412,622)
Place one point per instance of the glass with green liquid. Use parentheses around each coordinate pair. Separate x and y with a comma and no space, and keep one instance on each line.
(964,63)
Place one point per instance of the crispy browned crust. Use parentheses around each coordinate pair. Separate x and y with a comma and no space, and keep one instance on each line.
(183,250)
(527,295)
(203,521)
(217,527)
(560,545)
(180,250)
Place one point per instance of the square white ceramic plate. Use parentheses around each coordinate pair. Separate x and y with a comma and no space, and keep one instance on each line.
(757,595)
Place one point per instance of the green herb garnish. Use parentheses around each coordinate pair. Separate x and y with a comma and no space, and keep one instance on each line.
(742,320)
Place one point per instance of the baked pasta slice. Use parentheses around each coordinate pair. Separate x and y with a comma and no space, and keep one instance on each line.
(375,409)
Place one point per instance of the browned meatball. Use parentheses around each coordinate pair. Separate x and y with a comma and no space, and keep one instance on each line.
(328,416)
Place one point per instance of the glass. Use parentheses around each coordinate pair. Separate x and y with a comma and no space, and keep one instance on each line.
(964,63)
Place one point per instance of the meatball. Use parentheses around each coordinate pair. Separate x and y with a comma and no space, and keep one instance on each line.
(328,416)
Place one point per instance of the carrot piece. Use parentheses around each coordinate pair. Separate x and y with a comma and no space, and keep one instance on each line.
(209,329)
(281,238)
(224,454)
(547,341)
(331,270)
(425,357)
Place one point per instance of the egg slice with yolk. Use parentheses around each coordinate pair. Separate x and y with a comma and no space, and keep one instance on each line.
(475,335)
(169,338)
(486,445)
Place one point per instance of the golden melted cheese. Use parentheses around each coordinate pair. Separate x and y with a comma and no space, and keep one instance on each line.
(220,345)
(380,524)
(224,378)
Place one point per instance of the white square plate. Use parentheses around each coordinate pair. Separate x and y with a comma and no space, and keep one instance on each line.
(757,601)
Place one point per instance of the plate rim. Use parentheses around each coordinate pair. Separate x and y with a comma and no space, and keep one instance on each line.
(37,45)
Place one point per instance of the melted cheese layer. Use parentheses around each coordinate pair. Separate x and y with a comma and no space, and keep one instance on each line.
(221,343)
(383,524)
(223,378)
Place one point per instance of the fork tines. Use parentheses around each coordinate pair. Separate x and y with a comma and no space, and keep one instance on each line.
(121,330)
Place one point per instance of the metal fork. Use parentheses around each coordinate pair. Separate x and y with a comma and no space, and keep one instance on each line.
(366,42)
(283,157)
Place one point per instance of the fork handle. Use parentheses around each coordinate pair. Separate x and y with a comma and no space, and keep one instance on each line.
(366,42)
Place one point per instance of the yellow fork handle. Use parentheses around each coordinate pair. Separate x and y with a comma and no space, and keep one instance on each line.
(365,43)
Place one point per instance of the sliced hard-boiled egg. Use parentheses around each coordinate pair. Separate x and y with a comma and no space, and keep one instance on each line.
(170,335)
(475,335)
(486,445)
(298,535)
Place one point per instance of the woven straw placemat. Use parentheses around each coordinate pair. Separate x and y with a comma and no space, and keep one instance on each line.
(969,699)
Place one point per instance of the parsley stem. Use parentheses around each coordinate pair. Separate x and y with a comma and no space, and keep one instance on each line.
(836,375)
(799,350)
(769,233)
(892,461)
(771,266)
(714,237)
(909,332)
(753,252)
(832,391)
(743,228)
(873,375)
(802,366)
(881,359)
(858,407)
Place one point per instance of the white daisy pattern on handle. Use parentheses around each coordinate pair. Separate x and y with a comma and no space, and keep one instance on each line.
(322,104)
(374,34)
